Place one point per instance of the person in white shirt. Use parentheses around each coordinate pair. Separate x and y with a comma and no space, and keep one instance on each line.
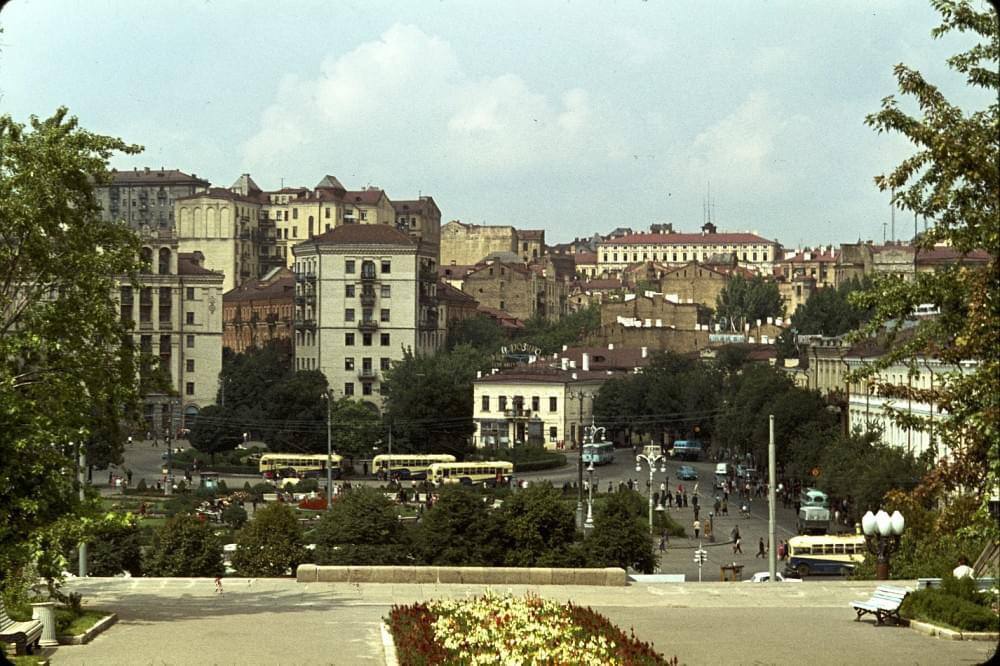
(963,569)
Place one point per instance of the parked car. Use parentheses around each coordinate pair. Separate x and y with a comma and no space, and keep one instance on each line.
(687,473)
(765,577)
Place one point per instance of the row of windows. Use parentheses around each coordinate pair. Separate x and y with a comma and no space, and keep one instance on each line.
(350,267)
(385,291)
(366,339)
(366,363)
(713,247)
(518,403)
(367,314)
(367,388)
(683,257)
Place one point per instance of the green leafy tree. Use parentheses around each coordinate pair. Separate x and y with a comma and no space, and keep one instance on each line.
(184,547)
(235,516)
(829,311)
(550,336)
(481,332)
(296,413)
(744,301)
(271,544)
(620,538)
(113,547)
(356,428)
(540,527)
(459,530)
(64,354)
(953,182)
(428,400)
(213,431)
(362,527)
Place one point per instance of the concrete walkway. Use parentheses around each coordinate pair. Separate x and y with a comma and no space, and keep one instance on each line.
(277,621)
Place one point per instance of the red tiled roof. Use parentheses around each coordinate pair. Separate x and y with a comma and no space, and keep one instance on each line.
(367,197)
(530,234)
(188,264)
(950,255)
(220,193)
(585,258)
(800,257)
(282,285)
(600,285)
(455,270)
(447,292)
(544,374)
(363,234)
(685,239)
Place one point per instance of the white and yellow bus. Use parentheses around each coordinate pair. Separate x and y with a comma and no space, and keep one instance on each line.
(300,465)
(494,472)
(407,465)
(826,554)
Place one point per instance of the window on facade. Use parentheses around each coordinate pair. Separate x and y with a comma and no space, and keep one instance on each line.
(189,293)
(189,317)
(349,388)
(366,388)
(383,363)
(384,338)
(485,406)
(553,404)
(366,339)
(502,403)
(189,388)
(503,305)
(754,256)
(553,433)
(384,315)
(348,339)
(349,266)
(189,365)
(349,363)
(295,232)
(349,314)
(348,291)
(364,215)
(386,290)
(535,406)
(386,266)
(326,214)
(189,342)
(295,213)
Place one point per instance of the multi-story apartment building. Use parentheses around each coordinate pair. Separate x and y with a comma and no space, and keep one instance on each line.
(750,250)
(421,219)
(366,293)
(146,197)
(225,227)
(176,315)
(694,282)
(260,312)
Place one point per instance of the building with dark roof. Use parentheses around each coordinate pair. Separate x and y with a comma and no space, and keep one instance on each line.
(260,312)
(365,295)
(145,197)
(752,251)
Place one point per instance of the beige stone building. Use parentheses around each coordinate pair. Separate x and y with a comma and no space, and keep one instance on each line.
(366,293)
(145,197)
(751,251)
(469,244)
(517,290)
(694,283)
(225,227)
(176,316)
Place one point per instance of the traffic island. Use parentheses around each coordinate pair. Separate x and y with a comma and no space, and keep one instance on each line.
(82,639)
(604,577)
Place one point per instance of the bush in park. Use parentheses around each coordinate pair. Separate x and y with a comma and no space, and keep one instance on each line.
(270,544)
(185,546)
(307,486)
(235,516)
(540,528)
(459,530)
(620,538)
(362,527)
(142,487)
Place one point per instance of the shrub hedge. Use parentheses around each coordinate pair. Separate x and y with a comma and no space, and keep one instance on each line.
(938,606)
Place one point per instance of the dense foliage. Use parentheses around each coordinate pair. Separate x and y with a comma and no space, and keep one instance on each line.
(361,528)
(184,547)
(828,311)
(745,301)
(956,604)
(620,537)
(460,531)
(571,329)
(271,544)
(68,369)
(953,182)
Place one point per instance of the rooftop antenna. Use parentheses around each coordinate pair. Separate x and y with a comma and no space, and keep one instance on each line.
(282,182)
(884,225)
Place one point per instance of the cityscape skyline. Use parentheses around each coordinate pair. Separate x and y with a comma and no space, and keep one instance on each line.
(550,124)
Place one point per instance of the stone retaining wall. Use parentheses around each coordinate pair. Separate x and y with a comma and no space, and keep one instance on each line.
(610,576)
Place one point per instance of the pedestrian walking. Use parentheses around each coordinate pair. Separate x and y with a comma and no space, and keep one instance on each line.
(738,545)
(781,550)
(697,510)
(218,585)
(761,549)
(685,496)
(725,507)
(663,542)
(697,527)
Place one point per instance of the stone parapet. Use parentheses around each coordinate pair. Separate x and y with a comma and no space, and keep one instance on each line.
(606,577)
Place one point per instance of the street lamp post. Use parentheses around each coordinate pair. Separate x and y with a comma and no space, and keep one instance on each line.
(651,462)
(329,449)
(882,533)
(589,523)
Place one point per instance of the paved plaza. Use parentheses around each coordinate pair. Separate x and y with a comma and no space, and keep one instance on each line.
(279,621)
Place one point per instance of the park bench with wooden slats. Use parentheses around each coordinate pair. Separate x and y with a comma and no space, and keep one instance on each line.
(885,603)
(23,635)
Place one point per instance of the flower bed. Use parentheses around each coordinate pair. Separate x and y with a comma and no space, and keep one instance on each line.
(504,629)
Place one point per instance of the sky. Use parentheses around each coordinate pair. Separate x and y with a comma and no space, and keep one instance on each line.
(573,117)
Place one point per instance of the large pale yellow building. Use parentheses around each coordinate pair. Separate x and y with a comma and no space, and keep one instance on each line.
(365,294)
(225,227)
(749,250)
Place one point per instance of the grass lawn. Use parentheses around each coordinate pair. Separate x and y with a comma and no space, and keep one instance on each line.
(68,624)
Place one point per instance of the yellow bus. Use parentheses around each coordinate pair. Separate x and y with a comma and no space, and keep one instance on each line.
(407,465)
(300,465)
(494,472)
(826,554)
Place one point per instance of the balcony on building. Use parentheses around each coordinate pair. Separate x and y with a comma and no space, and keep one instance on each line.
(304,325)
(368,276)
(367,297)
(517,413)
(368,373)
(300,299)
(368,325)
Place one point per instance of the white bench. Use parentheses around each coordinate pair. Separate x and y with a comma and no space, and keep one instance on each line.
(884,603)
(23,635)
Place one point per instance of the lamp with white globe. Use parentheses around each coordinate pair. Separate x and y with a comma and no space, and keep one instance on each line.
(882,533)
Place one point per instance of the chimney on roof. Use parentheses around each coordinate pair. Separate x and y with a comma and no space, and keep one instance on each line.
(574,375)
(645,352)
(611,346)
(147,169)
(586,362)
(565,347)
(564,363)
(479,374)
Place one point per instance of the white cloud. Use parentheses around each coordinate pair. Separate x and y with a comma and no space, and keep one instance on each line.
(407,89)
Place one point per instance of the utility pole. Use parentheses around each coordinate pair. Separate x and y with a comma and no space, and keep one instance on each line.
(329,451)
(772,555)
(82,466)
